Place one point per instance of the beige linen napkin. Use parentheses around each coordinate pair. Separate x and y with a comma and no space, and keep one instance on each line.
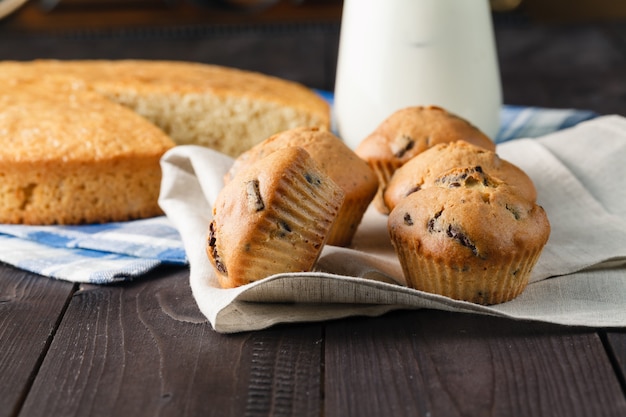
(580,174)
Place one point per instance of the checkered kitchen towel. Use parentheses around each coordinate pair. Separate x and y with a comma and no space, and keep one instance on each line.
(531,122)
(115,252)
(97,254)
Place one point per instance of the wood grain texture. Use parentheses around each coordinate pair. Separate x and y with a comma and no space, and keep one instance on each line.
(285,372)
(562,66)
(30,307)
(616,341)
(429,363)
(145,349)
(275,52)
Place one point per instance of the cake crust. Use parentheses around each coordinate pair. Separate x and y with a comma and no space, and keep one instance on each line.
(223,108)
(70,156)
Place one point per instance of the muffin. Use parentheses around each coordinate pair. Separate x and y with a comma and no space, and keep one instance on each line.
(475,243)
(334,158)
(435,164)
(408,132)
(273,216)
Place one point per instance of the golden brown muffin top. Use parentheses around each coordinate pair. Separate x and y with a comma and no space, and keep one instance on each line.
(435,165)
(412,130)
(466,224)
(330,154)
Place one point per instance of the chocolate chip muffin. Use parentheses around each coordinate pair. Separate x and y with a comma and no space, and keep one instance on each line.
(408,132)
(335,159)
(272,217)
(475,240)
(440,164)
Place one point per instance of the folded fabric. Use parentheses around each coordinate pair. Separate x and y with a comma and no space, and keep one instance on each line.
(577,281)
(97,254)
(531,122)
(116,252)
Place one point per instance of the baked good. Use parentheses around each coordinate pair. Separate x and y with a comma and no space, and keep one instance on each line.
(73,154)
(334,158)
(223,108)
(408,132)
(440,163)
(474,241)
(272,217)
(70,156)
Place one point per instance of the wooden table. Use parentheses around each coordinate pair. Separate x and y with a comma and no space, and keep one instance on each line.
(144,349)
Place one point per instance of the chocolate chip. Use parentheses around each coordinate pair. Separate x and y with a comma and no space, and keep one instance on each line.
(403,144)
(458,235)
(433,221)
(408,220)
(212,240)
(255,202)
(312,179)
(513,211)
(467,178)
(283,229)
(285,226)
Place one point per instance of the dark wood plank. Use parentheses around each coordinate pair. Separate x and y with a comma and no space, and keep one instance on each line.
(437,363)
(616,344)
(275,51)
(617,33)
(145,349)
(562,66)
(285,372)
(30,308)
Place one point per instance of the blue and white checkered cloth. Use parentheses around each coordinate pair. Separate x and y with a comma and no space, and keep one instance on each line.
(531,122)
(117,252)
(97,254)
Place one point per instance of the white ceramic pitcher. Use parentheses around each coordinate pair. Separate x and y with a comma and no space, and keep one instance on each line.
(399,53)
